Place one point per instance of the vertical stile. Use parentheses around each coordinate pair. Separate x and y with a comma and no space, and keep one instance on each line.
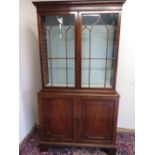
(44,54)
(89,67)
(116,45)
(66,59)
(106,58)
(50,55)
(78,50)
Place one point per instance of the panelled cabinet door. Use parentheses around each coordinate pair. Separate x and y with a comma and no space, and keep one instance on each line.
(96,119)
(57,118)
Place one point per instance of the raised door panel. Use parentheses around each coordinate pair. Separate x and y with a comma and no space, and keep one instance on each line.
(57,116)
(97,119)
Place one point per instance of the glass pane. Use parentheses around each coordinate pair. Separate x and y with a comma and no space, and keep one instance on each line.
(85,43)
(57,68)
(85,73)
(97,64)
(98,78)
(109,73)
(70,43)
(98,50)
(60,50)
(59,78)
(96,73)
(71,72)
(98,42)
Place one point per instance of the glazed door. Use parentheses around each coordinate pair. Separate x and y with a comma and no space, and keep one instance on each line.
(58,49)
(97,116)
(98,49)
(57,118)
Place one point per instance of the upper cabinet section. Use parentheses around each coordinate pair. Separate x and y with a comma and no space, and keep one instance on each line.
(79,43)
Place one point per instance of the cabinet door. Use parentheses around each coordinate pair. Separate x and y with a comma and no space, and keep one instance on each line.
(57,118)
(96,119)
(58,50)
(98,49)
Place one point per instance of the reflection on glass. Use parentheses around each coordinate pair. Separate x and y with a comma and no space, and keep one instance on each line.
(60,50)
(98,50)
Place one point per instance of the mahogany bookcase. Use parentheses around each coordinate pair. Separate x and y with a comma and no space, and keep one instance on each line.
(78,103)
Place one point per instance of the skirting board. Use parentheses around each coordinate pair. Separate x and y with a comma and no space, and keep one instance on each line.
(125,130)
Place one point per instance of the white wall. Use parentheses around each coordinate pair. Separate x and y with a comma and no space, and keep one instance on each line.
(30,81)
(125,74)
(29,67)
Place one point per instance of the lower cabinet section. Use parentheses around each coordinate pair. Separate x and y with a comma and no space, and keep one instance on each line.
(78,119)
